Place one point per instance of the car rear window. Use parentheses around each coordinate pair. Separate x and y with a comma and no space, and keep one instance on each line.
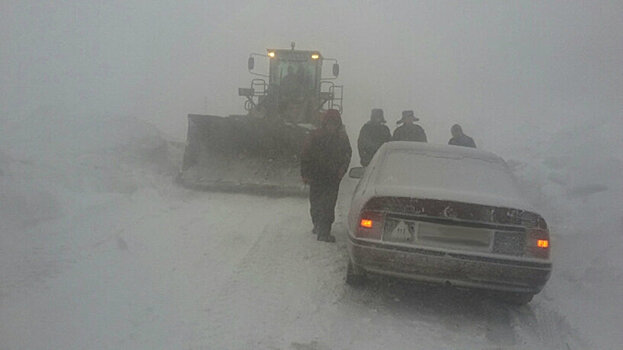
(449,172)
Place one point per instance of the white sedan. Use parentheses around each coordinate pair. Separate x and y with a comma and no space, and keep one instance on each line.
(446,214)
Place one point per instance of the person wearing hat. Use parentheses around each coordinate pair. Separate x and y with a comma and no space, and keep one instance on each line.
(324,161)
(372,136)
(409,131)
(459,138)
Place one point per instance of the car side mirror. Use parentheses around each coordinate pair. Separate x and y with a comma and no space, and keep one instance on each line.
(356,172)
(251,63)
(336,69)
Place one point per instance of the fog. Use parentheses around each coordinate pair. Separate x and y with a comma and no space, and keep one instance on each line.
(99,248)
(507,72)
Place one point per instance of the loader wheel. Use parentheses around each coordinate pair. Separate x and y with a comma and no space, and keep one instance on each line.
(355,276)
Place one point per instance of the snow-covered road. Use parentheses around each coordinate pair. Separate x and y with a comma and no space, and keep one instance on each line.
(167,268)
(99,249)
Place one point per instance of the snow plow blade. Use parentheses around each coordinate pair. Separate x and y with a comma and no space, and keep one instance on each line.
(243,154)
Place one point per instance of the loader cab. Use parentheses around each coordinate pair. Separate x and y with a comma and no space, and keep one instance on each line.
(294,88)
(301,69)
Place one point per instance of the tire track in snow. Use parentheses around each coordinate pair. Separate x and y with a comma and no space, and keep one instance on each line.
(539,325)
(281,279)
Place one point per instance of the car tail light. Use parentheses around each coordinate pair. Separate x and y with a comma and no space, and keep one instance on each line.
(370,225)
(542,243)
(366,223)
(537,243)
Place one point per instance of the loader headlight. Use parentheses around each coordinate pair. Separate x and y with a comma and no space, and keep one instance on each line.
(315,56)
(271,54)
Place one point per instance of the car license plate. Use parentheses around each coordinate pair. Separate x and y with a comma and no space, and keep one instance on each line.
(404,231)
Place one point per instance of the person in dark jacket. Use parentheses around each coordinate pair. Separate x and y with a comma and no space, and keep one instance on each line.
(459,138)
(372,136)
(409,131)
(324,161)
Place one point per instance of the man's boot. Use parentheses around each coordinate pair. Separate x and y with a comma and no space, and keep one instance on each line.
(327,238)
(324,234)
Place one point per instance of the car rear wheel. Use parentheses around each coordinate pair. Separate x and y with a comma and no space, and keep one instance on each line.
(355,276)
(518,298)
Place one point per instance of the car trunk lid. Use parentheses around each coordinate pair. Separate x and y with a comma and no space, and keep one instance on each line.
(454,225)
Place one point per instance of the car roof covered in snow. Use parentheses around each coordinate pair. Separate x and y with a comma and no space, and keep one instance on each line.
(441,150)
(444,172)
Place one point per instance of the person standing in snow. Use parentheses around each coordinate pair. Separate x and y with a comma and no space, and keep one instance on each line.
(459,138)
(372,136)
(324,161)
(409,131)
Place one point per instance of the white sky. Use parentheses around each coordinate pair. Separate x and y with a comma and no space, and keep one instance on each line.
(501,69)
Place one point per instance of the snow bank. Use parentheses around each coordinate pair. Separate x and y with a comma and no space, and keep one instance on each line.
(576,183)
(52,157)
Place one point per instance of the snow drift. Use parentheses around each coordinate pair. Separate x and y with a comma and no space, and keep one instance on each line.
(52,156)
(576,183)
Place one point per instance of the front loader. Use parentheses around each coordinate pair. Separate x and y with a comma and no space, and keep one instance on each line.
(259,152)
